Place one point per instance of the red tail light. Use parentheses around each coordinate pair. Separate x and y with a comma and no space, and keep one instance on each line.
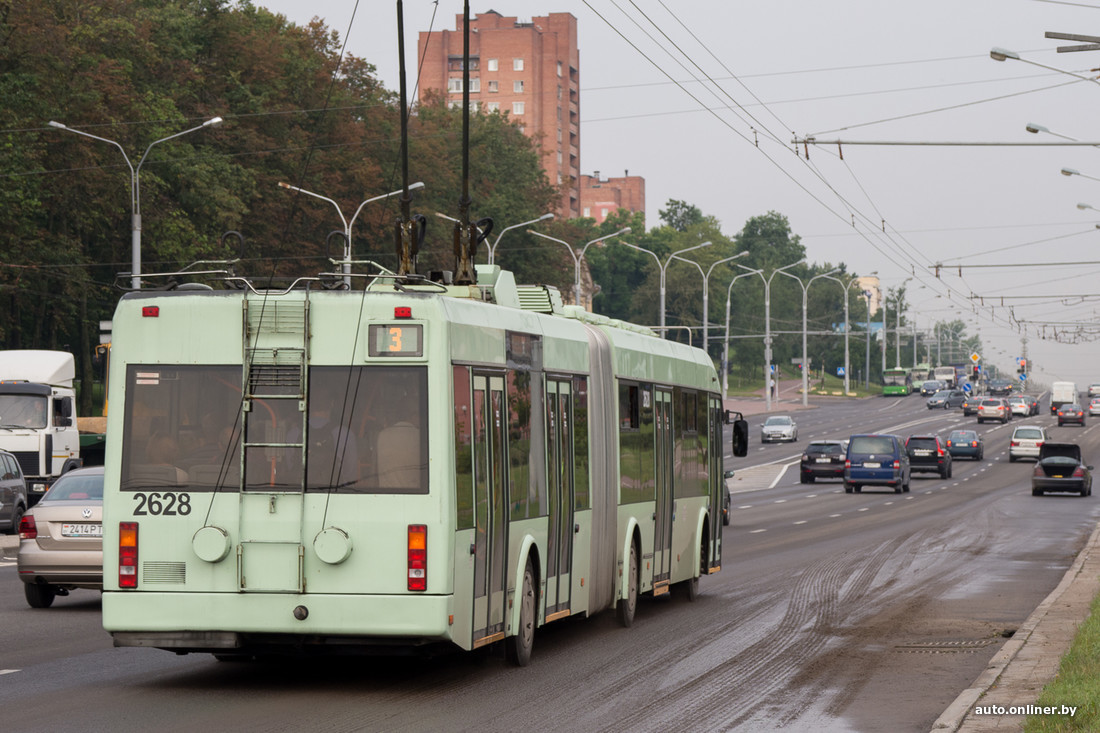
(973,444)
(28,530)
(418,557)
(127,554)
(1014,443)
(1079,472)
(897,464)
(1039,444)
(939,450)
(847,463)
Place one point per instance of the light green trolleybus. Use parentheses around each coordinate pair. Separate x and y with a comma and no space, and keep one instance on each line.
(412,464)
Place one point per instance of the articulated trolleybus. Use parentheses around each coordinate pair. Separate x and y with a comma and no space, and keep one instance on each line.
(412,464)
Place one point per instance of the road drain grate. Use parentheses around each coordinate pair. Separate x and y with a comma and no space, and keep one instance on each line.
(943,647)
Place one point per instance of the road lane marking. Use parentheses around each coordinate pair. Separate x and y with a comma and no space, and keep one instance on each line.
(801,521)
(756,531)
(864,508)
(745,506)
(834,516)
(9,671)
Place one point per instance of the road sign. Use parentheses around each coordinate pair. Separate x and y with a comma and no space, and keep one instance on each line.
(967,387)
(1023,377)
(975,357)
(840,371)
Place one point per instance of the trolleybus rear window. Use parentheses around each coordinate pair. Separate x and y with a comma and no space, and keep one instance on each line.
(188,428)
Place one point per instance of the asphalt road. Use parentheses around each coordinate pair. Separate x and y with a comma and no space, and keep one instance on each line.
(833,612)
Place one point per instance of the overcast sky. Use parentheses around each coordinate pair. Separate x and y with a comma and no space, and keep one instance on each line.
(703,99)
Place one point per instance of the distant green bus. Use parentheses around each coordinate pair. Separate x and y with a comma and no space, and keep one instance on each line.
(413,464)
(896,382)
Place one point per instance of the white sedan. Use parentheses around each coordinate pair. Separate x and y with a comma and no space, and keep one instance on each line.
(1094,406)
(778,427)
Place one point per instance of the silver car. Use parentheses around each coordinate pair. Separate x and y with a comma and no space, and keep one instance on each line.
(1025,442)
(778,427)
(61,538)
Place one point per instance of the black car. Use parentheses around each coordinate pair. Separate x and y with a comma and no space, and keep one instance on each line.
(970,404)
(726,497)
(1071,413)
(927,453)
(1060,468)
(823,459)
(1000,387)
(13,493)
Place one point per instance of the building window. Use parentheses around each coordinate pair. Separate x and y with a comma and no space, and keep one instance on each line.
(454,84)
(455,104)
(559,68)
(587,209)
(494,86)
(522,129)
(559,91)
(493,65)
(517,64)
(493,106)
(559,157)
(603,213)
(474,105)
(559,134)
(517,108)
(517,86)
(475,84)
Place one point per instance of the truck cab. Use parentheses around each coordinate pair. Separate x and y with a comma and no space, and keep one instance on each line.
(38,415)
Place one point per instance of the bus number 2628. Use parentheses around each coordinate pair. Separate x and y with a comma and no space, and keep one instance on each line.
(165,504)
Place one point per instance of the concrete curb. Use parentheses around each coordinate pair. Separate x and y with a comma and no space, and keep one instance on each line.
(956,713)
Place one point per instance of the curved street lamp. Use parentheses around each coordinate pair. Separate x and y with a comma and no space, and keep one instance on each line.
(706,282)
(768,326)
(493,246)
(346,266)
(847,327)
(663,268)
(726,351)
(135,188)
(805,297)
(578,256)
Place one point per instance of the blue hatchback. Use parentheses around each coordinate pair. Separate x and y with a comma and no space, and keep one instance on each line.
(876,460)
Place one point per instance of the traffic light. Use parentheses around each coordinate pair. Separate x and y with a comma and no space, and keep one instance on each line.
(977,373)
(1022,366)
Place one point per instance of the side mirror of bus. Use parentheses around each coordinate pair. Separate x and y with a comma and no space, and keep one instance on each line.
(740,433)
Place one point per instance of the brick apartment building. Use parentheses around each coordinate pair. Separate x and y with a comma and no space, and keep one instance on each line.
(529,71)
(601,196)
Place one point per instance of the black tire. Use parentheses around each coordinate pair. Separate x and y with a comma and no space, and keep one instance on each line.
(899,488)
(518,647)
(20,510)
(803,479)
(726,518)
(691,586)
(1036,492)
(859,489)
(626,607)
(1011,458)
(39,595)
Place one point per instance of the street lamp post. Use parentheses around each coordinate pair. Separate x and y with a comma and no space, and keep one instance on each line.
(493,246)
(897,331)
(867,357)
(663,268)
(726,350)
(847,327)
(578,257)
(805,298)
(768,326)
(346,265)
(706,282)
(135,188)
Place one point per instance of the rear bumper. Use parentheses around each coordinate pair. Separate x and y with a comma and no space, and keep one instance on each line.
(926,467)
(1074,485)
(873,477)
(202,622)
(822,471)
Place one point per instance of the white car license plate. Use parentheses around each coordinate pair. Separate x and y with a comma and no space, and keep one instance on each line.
(824,460)
(922,452)
(81,530)
(872,465)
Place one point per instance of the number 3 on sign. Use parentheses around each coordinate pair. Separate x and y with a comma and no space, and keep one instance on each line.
(395,339)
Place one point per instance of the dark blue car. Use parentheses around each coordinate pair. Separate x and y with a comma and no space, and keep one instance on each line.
(876,460)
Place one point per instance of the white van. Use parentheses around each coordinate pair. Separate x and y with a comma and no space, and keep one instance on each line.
(1062,393)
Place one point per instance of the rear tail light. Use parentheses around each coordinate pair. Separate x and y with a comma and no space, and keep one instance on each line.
(1038,471)
(897,464)
(1038,444)
(1014,443)
(847,463)
(973,444)
(127,554)
(1079,472)
(418,557)
(939,450)
(28,530)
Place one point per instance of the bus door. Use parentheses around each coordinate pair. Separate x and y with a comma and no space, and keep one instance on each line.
(662,540)
(717,484)
(491,523)
(560,489)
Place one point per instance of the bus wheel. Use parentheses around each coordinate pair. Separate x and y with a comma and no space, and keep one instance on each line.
(39,595)
(519,646)
(626,606)
(691,586)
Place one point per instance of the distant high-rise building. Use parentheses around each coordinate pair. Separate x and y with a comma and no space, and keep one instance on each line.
(601,196)
(531,71)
